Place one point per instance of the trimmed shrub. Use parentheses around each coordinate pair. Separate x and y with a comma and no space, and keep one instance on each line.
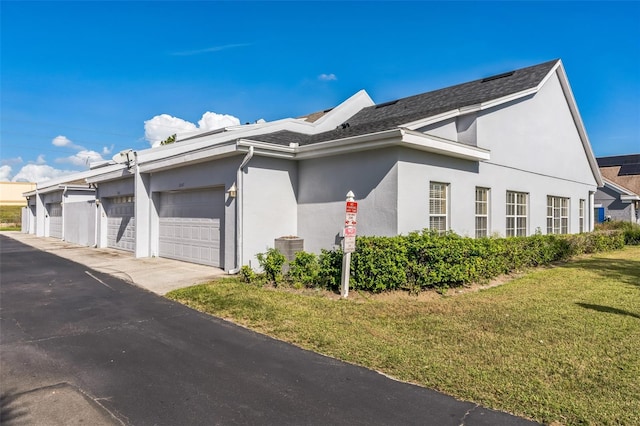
(271,263)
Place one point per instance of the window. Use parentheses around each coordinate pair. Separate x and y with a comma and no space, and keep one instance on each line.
(516,214)
(581,216)
(482,212)
(557,215)
(438,218)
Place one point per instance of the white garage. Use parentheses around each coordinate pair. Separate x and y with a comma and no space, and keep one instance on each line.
(189,225)
(55,220)
(121,223)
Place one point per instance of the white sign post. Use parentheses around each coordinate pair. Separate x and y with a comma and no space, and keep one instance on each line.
(348,241)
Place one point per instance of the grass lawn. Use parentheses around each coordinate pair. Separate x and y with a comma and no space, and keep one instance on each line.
(558,344)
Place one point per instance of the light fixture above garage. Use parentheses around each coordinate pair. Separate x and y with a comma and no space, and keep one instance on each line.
(233,191)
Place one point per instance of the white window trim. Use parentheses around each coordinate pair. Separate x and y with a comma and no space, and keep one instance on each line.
(516,216)
(487,215)
(555,203)
(446,206)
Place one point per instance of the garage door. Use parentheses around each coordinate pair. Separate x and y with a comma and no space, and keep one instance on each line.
(190,224)
(121,223)
(55,220)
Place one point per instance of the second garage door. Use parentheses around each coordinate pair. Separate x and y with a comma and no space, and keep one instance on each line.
(190,223)
(121,223)
(55,220)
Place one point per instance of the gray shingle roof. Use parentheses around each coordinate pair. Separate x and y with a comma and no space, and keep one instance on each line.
(389,115)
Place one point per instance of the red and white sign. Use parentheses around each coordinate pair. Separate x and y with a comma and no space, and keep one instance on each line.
(350,220)
(352,207)
(350,231)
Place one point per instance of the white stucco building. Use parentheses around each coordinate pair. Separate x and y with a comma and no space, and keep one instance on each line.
(504,155)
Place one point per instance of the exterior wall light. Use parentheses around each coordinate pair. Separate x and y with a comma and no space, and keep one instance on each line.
(233,191)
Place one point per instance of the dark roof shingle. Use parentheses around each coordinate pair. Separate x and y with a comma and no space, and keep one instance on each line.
(389,115)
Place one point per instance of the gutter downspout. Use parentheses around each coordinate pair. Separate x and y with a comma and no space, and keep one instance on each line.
(62,206)
(239,213)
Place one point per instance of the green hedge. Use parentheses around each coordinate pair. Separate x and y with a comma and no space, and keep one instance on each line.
(423,260)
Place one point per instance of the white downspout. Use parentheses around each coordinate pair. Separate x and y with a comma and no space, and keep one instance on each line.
(239,213)
(62,206)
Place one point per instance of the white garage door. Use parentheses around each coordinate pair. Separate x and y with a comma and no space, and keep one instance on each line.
(55,220)
(121,223)
(190,225)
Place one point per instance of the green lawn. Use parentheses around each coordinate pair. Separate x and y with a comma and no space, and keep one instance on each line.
(558,344)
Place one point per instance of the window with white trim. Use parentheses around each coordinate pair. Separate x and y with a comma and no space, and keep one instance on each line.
(581,215)
(482,212)
(438,211)
(516,214)
(557,215)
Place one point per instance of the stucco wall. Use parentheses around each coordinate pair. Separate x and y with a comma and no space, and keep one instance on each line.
(324,183)
(536,134)
(116,188)
(269,204)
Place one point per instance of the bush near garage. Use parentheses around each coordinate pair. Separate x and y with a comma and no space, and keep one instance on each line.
(425,260)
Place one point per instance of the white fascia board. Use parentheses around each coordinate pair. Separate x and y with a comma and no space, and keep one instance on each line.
(352,144)
(413,125)
(573,107)
(29,194)
(266,149)
(191,157)
(114,173)
(43,186)
(629,198)
(445,147)
(387,138)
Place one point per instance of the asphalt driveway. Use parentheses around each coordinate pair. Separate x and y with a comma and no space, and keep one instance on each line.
(78,346)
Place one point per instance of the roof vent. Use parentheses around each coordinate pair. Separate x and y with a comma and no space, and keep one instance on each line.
(344,125)
(386,104)
(496,77)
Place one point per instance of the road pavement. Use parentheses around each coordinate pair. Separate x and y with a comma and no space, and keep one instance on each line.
(78,346)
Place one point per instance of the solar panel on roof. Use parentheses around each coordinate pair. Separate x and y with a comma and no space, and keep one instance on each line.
(629,169)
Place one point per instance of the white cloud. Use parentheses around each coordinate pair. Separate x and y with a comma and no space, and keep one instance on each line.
(63,141)
(107,150)
(327,77)
(40,159)
(162,126)
(212,121)
(39,173)
(10,161)
(81,158)
(210,49)
(5,173)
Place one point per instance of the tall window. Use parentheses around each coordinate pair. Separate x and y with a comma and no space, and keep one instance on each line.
(581,215)
(482,212)
(516,214)
(438,216)
(557,215)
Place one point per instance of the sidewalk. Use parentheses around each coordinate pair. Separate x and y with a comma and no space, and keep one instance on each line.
(156,274)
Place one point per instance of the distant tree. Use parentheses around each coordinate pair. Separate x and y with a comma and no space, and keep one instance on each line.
(170,139)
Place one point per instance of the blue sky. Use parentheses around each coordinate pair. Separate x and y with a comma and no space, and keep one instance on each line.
(79,79)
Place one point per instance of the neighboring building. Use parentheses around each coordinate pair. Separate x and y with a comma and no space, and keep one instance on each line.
(504,155)
(11,193)
(619,198)
(11,200)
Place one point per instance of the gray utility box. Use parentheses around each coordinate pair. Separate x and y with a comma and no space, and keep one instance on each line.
(289,246)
